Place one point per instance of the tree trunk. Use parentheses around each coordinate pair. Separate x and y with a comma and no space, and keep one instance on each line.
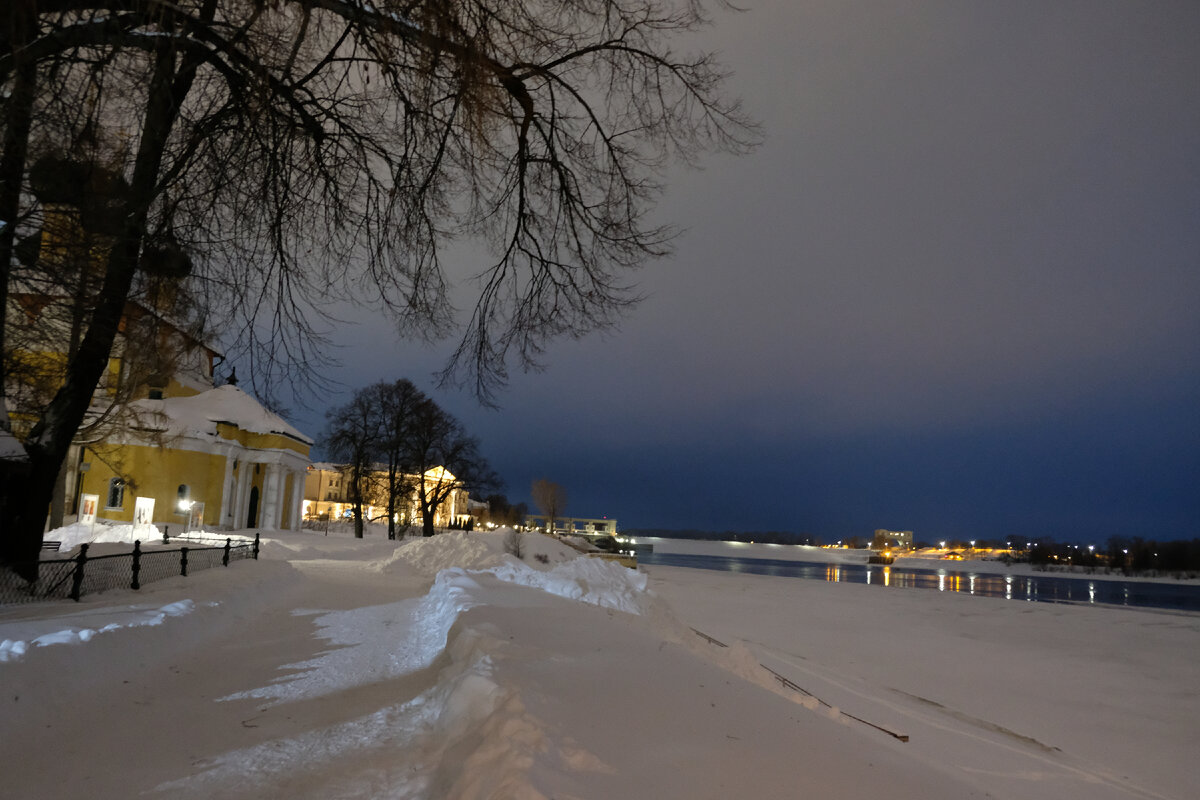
(391,502)
(58,497)
(51,437)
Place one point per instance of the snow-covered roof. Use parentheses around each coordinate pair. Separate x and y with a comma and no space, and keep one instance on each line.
(10,448)
(199,413)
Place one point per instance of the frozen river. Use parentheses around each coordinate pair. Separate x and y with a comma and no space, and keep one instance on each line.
(1049,588)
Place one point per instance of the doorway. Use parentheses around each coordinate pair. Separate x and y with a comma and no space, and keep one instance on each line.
(252,515)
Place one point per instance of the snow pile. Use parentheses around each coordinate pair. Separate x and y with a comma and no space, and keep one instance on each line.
(588,580)
(419,627)
(413,748)
(477,550)
(563,572)
(79,533)
(431,555)
(12,649)
(360,655)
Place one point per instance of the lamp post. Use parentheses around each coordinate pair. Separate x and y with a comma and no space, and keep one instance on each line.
(185,508)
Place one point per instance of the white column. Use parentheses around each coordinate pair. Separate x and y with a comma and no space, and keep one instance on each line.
(245,474)
(271,500)
(228,490)
(297,499)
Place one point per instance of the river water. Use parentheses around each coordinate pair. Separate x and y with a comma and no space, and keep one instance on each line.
(1037,588)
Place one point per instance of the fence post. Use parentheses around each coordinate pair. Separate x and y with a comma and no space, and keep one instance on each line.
(225,558)
(255,550)
(166,533)
(183,561)
(137,563)
(77,577)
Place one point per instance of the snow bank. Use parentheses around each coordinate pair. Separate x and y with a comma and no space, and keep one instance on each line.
(477,550)
(563,572)
(431,555)
(12,649)
(409,749)
(78,533)
(419,627)
(588,580)
(423,625)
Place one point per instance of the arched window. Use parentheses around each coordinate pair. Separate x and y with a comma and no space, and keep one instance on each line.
(116,493)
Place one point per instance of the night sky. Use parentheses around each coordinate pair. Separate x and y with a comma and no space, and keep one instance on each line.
(957,291)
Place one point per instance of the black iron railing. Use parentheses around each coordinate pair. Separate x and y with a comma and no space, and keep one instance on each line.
(72,578)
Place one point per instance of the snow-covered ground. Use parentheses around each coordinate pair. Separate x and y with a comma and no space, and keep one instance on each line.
(444,668)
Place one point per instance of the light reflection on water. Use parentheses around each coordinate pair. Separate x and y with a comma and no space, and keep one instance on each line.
(1039,588)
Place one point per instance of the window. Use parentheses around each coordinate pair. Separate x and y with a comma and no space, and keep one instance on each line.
(116,493)
(184,499)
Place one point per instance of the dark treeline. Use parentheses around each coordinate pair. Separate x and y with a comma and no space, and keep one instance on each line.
(1127,555)
(766,537)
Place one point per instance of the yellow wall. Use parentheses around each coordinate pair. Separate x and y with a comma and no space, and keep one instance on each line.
(156,472)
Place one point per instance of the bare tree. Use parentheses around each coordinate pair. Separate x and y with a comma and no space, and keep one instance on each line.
(446,460)
(514,544)
(398,404)
(550,498)
(352,439)
(304,150)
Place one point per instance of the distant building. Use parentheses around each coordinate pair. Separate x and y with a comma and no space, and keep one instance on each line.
(892,540)
(326,496)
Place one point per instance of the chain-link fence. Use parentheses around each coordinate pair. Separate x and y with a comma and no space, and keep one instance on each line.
(71,578)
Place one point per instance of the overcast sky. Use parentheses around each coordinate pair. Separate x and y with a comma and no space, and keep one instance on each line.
(957,291)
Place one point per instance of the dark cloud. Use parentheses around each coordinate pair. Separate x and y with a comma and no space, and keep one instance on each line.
(956,290)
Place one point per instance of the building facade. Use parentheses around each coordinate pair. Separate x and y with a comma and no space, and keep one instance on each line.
(159,443)
(216,459)
(326,496)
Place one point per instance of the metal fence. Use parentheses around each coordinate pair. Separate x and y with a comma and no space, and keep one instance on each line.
(71,578)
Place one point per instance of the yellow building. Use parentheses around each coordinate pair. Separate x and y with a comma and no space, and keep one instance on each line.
(216,459)
(159,443)
(326,496)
